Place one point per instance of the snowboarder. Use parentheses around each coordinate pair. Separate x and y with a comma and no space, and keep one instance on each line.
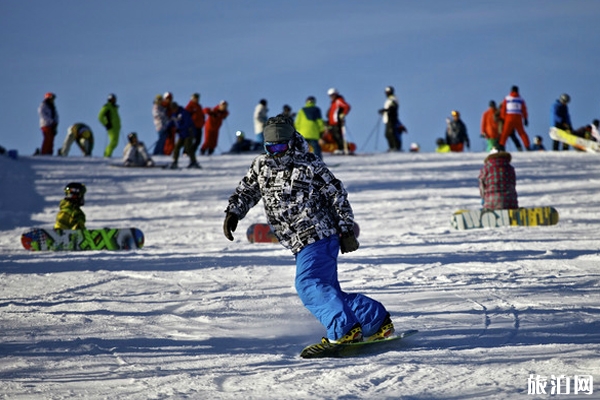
(48,123)
(561,119)
(70,216)
(514,114)
(308,209)
(135,153)
(82,135)
(498,182)
(110,119)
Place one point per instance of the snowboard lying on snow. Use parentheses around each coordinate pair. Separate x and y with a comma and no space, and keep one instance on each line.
(43,239)
(578,142)
(262,233)
(530,216)
(322,350)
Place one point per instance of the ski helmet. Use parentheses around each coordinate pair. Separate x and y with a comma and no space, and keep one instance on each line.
(240,134)
(565,98)
(332,92)
(75,192)
(112,98)
(131,137)
(50,95)
(389,89)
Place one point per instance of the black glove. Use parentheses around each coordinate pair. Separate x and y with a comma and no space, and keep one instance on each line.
(526,122)
(230,224)
(348,242)
(381,111)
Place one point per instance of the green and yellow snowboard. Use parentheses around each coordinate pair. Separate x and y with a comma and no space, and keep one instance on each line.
(41,239)
(530,216)
(325,350)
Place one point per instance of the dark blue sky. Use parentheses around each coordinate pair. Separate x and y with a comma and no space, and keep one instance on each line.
(439,55)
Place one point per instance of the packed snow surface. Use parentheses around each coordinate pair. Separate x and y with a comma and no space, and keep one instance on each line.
(192,315)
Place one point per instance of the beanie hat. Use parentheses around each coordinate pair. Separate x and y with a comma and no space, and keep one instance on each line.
(278,132)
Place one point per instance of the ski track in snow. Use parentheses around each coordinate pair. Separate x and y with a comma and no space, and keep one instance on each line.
(192,315)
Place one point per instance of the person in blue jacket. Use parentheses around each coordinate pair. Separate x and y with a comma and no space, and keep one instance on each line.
(185,135)
(560,118)
(309,212)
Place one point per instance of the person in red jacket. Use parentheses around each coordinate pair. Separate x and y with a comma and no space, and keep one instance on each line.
(215,118)
(514,114)
(195,109)
(338,110)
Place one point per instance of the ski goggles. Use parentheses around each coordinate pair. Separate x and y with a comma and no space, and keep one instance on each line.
(276,148)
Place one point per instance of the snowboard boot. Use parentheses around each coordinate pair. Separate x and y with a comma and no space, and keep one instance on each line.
(354,335)
(194,165)
(173,165)
(385,330)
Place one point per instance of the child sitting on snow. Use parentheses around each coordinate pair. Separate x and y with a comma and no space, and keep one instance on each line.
(70,216)
(498,181)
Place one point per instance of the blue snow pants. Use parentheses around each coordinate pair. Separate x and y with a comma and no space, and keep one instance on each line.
(319,289)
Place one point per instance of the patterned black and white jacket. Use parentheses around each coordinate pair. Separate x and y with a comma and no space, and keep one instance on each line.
(303,200)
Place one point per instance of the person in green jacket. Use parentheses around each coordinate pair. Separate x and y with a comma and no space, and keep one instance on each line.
(309,123)
(109,117)
(70,216)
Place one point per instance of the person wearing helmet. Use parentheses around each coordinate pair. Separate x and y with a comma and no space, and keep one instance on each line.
(456,133)
(442,146)
(242,144)
(537,144)
(309,212)
(82,135)
(391,120)
(48,123)
(338,110)
(70,216)
(135,153)
(561,119)
(110,119)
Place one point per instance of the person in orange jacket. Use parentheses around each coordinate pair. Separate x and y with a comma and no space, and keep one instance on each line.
(489,125)
(338,110)
(514,114)
(215,118)
(195,108)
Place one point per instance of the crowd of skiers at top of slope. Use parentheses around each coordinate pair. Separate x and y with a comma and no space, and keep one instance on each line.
(180,127)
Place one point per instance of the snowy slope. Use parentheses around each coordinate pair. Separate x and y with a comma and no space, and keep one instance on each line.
(192,315)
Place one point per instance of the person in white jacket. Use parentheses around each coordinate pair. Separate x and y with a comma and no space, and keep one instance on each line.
(260,118)
(135,153)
